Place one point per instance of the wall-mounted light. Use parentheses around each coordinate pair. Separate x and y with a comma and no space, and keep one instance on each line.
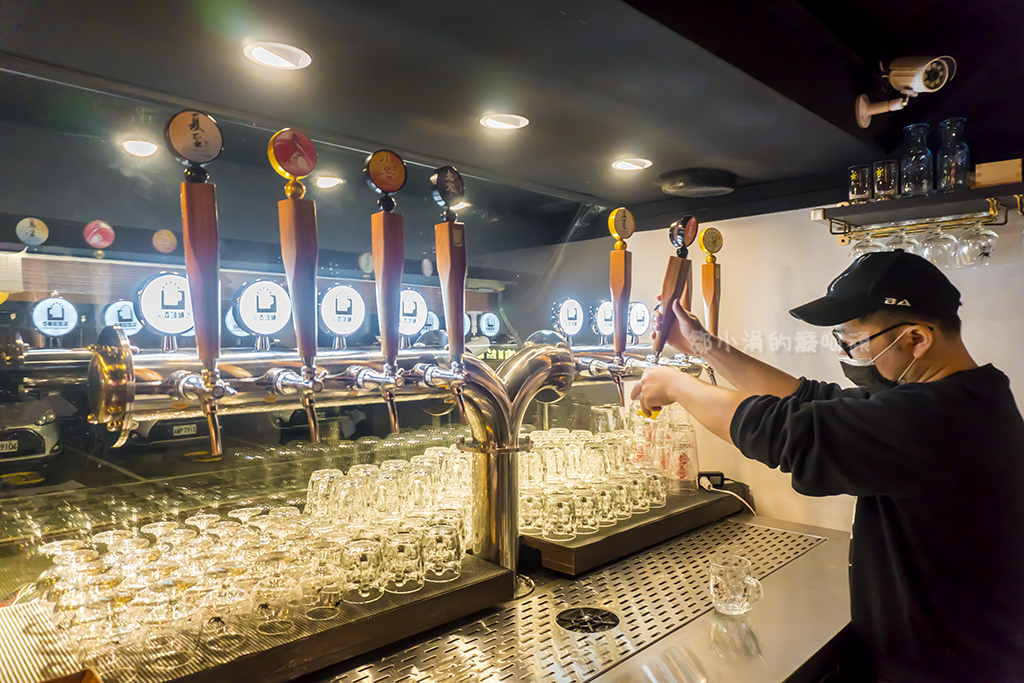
(139,148)
(326,182)
(504,121)
(631,164)
(277,55)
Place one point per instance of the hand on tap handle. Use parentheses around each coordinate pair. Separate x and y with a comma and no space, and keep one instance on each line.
(677,283)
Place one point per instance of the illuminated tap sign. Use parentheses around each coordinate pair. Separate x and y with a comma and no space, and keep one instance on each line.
(263,307)
(232,326)
(164,304)
(55,316)
(569,317)
(413,315)
(122,314)
(489,324)
(639,319)
(342,310)
(433,322)
(604,319)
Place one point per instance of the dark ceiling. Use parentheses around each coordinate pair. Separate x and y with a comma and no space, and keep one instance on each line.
(762,89)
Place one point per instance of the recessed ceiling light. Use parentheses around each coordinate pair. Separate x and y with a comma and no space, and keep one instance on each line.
(504,121)
(277,55)
(631,164)
(139,148)
(460,206)
(326,182)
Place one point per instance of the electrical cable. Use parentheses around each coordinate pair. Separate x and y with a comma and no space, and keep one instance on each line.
(705,484)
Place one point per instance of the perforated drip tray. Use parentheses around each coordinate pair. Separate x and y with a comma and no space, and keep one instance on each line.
(650,594)
(679,515)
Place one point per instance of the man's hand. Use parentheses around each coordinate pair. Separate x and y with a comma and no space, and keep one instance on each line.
(686,333)
(656,388)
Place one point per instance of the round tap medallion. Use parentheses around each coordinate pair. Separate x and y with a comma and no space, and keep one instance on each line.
(639,318)
(292,154)
(342,311)
(489,324)
(467,323)
(165,304)
(683,232)
(232,326)
(413,313)
(604,319)
(447,187)
(122,314)
(711,241)
(433,322)
(98,234)
(32,231)
(384,172)
(263,307)
(165,241)
(621,224)
(569,317)
(55,316)
(366,262)
(427,267)
(194,136)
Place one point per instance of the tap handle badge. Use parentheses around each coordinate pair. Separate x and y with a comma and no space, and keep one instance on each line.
(448,189)
(194,138)
(682,233)
(385,174)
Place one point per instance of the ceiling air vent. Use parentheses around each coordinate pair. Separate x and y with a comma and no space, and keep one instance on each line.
(697,182)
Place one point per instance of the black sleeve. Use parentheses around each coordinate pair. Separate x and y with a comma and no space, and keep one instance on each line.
(883,445)
(813,390)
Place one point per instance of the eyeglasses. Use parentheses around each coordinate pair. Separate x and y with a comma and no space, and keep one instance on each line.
(850,347)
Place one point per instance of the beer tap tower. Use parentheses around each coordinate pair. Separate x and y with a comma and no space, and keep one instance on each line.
(447,189)
(385,174)
(195,138)
(293,156)
(621,225)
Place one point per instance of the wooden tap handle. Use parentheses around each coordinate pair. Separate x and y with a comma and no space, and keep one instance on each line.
(388,261)
(711,284)
(620,278)
(450,242)
(202,262)
(677,277)
(299,251)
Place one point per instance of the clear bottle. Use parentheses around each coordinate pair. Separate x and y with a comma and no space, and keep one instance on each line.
(953,162)
(916,161)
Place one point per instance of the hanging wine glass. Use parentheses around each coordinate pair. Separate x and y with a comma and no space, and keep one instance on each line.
(977,245)
(866,244)
(940,248)
(901,240)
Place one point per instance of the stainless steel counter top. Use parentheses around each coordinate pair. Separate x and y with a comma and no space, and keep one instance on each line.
(667,630)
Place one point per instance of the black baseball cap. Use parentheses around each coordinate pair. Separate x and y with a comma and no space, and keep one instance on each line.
(883,281)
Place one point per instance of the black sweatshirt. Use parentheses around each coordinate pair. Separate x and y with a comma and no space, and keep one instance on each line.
(937,556)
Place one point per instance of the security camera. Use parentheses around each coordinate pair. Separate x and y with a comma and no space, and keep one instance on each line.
(920,74)
(910,76)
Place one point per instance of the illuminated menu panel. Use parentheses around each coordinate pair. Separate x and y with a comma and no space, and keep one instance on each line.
(342,310)
(164,304)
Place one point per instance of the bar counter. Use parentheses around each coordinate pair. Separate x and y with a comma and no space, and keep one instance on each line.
(667,630)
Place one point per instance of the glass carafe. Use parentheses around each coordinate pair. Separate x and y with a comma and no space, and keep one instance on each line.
(916,161)
(953,162)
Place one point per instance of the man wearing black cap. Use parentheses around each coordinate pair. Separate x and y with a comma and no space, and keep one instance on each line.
(931,444)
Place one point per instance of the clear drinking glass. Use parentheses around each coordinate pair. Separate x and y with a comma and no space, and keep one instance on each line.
(275,597)
(916,168)
(320,493)
(585,507)
(901,240)
(657,486)
(886,177)
(638,490)
(321,586)
(224,610)
(403,563)
(531,510)
(442,553)
(940,248)
(859,182)
(733,588)
(606,497)
(559,515)
(361,567)
(977,245)
(866,245)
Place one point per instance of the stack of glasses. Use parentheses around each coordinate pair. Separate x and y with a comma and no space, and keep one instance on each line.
(151,598)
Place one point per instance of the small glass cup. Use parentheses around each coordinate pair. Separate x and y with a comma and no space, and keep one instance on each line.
(531,510)
(442,553)
(320,492)
(859,182)
(585,504)
(559,515)
(606,496)
(403,563)
(733,588)
(657,487)
(886,176)
(361,566)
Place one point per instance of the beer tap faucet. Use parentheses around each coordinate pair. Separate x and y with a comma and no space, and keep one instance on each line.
(293,156)
(450,243)
(195,138)
(385,174)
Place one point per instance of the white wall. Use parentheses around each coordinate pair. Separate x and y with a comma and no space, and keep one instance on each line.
(770,264)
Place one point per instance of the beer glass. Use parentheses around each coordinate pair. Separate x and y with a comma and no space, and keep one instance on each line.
(733,589)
